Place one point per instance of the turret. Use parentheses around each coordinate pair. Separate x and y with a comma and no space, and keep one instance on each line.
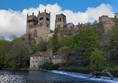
(31,21)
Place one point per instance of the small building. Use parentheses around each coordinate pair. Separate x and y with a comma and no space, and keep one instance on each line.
(56,59)
(37,59)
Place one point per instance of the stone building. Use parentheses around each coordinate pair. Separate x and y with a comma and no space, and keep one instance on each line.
(38,27)
(107,22)
(38,58)
(56,59)
(60,21)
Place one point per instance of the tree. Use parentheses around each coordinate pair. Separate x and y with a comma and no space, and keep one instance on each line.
(109,44)
(42,46)
(4,47)
(54,42)
(97,60)
(18,55)
(81,46)
(64,52)
(112,46)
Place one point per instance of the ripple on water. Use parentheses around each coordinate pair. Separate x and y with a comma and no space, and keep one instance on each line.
(9,78)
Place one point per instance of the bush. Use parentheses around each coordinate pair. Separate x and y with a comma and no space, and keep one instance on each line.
(49,66)
(97,60)
(75,69)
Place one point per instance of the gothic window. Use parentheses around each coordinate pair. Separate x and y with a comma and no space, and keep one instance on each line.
(59,19)
(41,18)
(35,33)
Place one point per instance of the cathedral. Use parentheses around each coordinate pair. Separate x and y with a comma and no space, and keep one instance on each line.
(38,27)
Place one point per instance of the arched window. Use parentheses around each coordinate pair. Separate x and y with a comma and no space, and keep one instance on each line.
(59,19)
(41,18)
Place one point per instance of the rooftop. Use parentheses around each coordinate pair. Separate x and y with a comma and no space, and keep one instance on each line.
(40,54)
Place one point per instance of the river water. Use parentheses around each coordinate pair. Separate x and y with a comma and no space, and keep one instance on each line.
(50,77)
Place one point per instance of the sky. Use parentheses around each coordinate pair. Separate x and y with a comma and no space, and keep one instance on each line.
(13,12)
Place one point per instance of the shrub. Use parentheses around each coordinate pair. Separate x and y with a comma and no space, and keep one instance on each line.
(97,60)
(49,66)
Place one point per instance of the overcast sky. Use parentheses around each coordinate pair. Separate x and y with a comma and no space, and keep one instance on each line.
(13,12)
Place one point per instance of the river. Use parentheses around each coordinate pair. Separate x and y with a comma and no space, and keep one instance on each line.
(50,77)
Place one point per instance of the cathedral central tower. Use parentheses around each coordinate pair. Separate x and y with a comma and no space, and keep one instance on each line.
(38,27)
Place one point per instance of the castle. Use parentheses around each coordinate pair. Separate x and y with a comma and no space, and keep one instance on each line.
(38,27)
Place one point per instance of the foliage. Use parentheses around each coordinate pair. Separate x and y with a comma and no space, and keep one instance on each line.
(53,42)
(81,46)
(97,60)
(113,46)
(109,44)
(42,46)
(49,66)
(4,47)
(18,55)
(75,69)
(64,52)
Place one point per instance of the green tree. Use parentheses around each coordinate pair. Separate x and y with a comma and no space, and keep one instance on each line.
(109,44)
(81,46)
(4,47)
(42,46)
(64,52)
(54,42)
(97,60)
(111,48)
(18,55)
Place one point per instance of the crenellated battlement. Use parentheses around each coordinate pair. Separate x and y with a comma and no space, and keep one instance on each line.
(41,20)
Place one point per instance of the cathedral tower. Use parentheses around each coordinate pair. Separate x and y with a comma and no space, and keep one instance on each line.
(60,21)
(38,27)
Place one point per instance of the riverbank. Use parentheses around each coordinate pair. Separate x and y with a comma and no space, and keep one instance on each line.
(76,69)
(87,70)
(55,76)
